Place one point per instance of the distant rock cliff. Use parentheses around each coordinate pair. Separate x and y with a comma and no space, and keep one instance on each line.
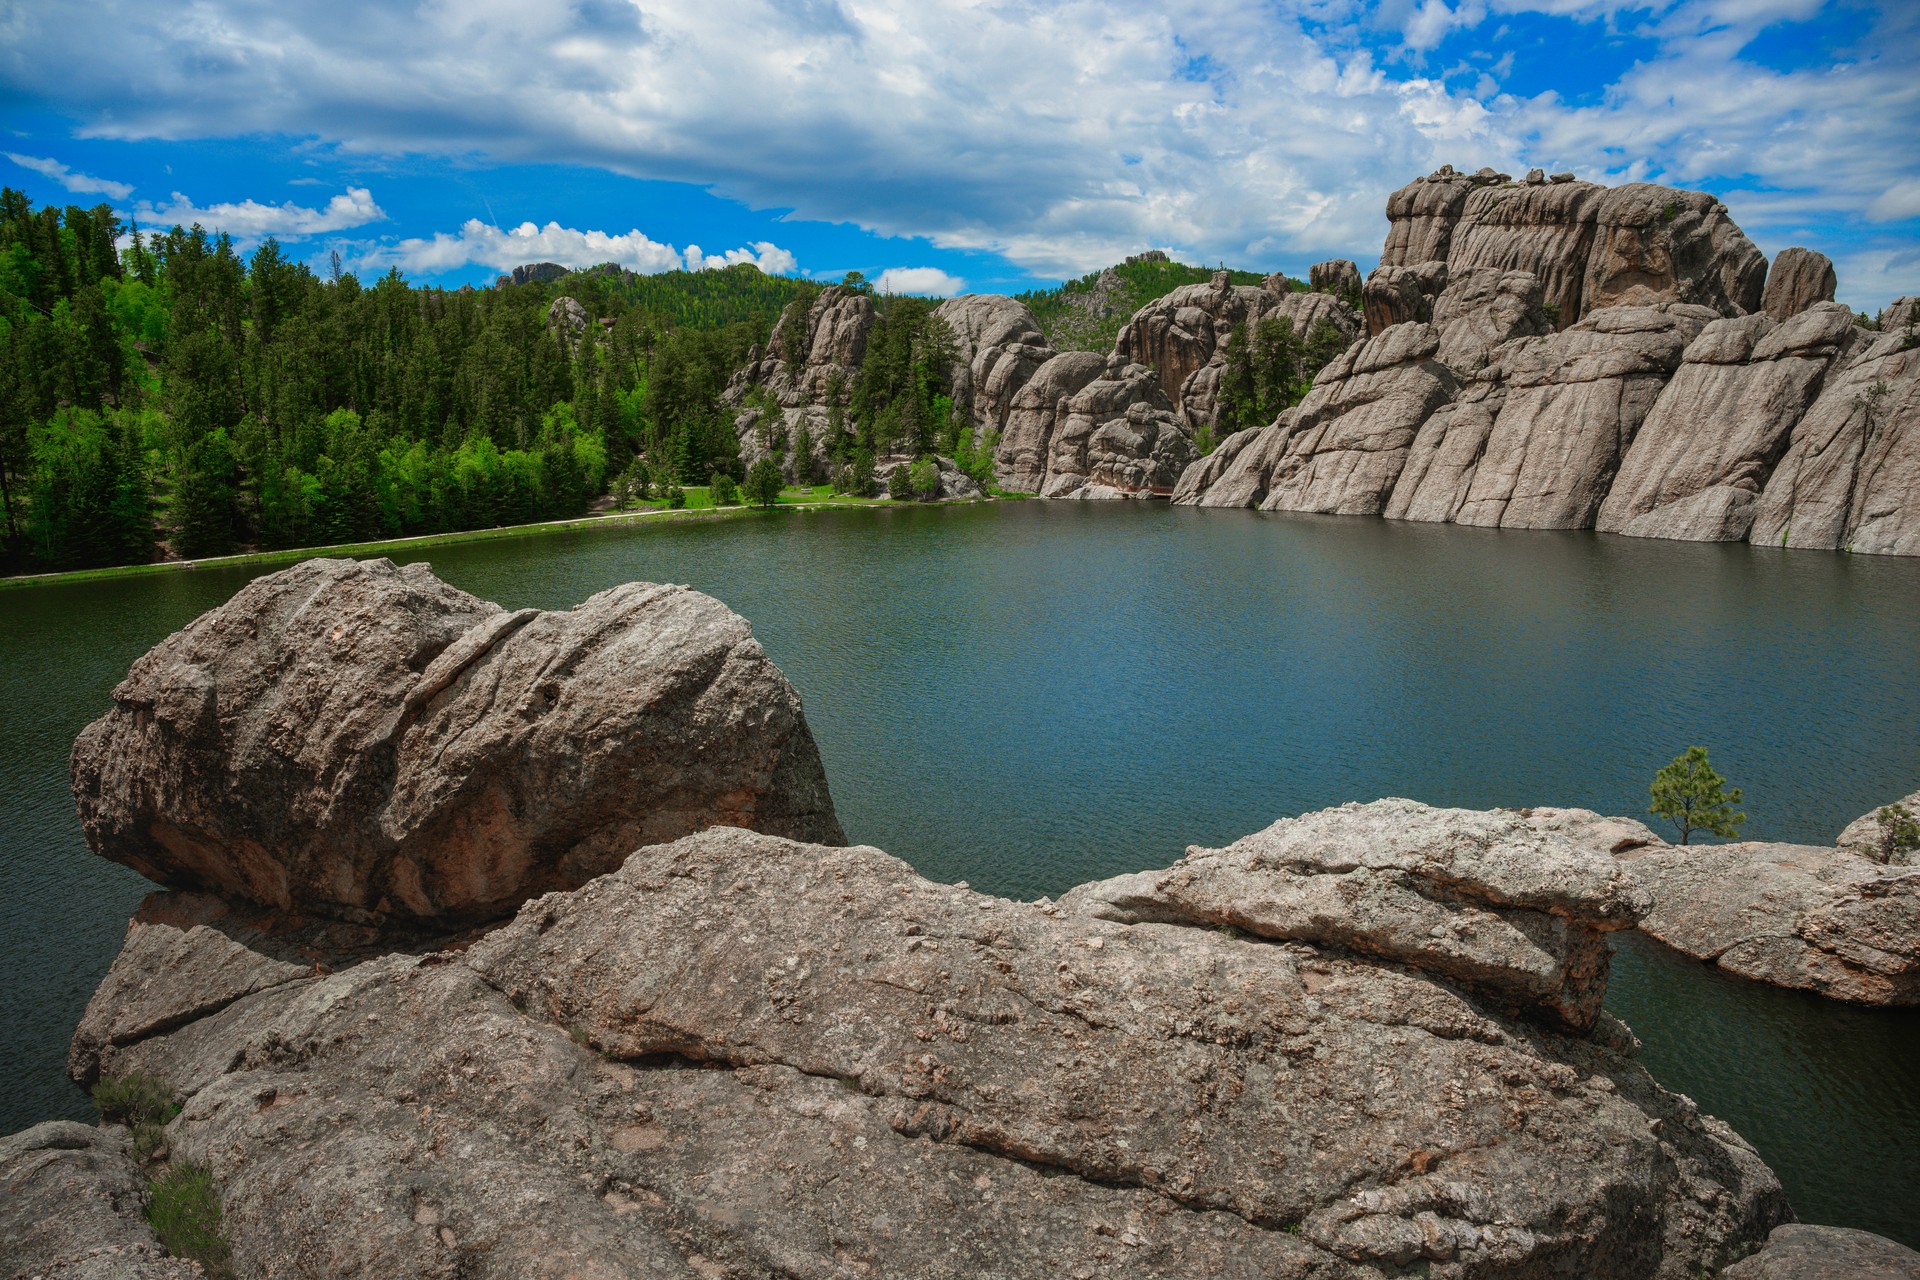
(1552,354)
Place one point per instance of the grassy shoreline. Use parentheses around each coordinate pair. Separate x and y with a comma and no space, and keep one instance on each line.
(291,555)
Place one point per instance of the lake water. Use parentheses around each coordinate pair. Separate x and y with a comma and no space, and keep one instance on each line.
(1029,695)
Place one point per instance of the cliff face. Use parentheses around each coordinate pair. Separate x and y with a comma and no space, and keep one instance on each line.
(1668,404)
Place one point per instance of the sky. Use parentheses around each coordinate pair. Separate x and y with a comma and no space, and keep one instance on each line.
(967,146)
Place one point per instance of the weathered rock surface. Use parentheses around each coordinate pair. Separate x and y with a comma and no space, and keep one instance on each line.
(567,317)
(1798,279)
(1797,1251)
(72,1207)
(1483,308)
(1340,277)
(999,347)
(1851,472)
(1038,410)
(1822,920)
(1869,835)
(1697,466)
(1589,246)
(1345,444)
(1573,403)
(1486,900)
(1183,336)
(1120,438)
(1901,314)
(365,742)
(1402,294)
(739,1054)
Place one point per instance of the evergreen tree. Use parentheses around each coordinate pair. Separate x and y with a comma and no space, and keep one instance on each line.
(763,483)
(1688,793)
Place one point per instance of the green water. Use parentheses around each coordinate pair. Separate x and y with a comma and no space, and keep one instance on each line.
(1029,695)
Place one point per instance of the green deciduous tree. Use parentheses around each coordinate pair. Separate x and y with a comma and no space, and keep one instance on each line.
(1693,797)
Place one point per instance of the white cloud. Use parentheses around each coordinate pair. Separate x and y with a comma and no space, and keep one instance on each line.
(78,183)
(1061,133)
(248,221)
(478,243)
(931,282)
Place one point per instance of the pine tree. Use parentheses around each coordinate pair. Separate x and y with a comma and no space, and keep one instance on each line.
(1693,797)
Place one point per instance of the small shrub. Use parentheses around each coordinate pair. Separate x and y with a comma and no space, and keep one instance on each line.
(925,478)
(899,485)
(675,496)
(1671,211)
(725,492)
(134,1099)
(184,1211)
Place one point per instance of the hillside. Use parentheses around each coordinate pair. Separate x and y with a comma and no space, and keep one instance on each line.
(1087,314)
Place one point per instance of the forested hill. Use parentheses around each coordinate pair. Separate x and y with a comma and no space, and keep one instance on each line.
(177,391)
(1087,314)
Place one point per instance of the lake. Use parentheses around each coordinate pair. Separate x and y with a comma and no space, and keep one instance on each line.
(1027,695)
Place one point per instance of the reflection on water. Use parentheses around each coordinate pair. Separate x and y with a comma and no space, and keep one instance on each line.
(1029,695)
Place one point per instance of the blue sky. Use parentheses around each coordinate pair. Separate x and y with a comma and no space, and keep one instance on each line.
(970,145)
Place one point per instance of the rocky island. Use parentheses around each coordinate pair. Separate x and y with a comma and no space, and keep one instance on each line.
(529,944)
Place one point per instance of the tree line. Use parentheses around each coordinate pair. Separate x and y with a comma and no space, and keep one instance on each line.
(164,388)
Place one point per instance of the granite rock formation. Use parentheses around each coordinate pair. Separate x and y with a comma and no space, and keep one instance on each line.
(71,1208)
(1696,468)
(1797,1251)
(999,347)
(1037,411)
(1339,277)
(810,361)
(361,741)
(1590,246)
(740,1054)
(1488,901)
(1872,835)
(1801,916)
(1798,279)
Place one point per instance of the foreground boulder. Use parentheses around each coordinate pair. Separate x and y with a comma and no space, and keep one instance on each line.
(72,1204)
(365,742)
(740,1055)
(1483,899)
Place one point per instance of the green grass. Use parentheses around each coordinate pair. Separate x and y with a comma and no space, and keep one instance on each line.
(184,1211)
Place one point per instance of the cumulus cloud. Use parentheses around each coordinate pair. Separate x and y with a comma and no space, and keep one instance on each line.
(248,221)
(78,183)
(480,244)
(930,282)
(1060,133)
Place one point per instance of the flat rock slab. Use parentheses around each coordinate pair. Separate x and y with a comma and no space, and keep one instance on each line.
(740,1055)
(366,742)
(1817,919)
(1800,1252)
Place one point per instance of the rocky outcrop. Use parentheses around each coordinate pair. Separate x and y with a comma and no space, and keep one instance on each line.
(1696,468)
(1339,277)
(1183,336)
(1900,315)
(1402,294)
(1483,308)
(1883,834)
(1485,900)
(1037,412)
(998,348)
(1797,1251)
(1119,438)
(720,1058)
(1798,279)
(1589,246)
(809,364)
(531,273)
(365,742)
(1344,445)
(1815,919)
(72,1205)
(1851,470)
(950,482)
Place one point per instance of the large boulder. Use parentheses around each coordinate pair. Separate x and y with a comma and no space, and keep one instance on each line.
(1797,1251)
(1402,294)
(1800,916)
(1339,277)
(739,1055)
(1798,279)
(1486,900)
(1038,411)
(1120,438)
(72,1207)
(365,742)
(1851,470)
(1697,466)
